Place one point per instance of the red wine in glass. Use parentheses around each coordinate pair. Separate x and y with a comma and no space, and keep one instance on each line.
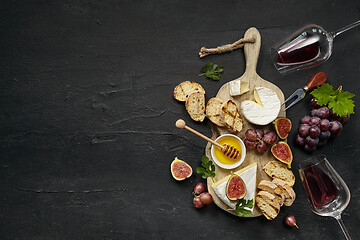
(306,48)
(319,187)
(300,51)
(328,194)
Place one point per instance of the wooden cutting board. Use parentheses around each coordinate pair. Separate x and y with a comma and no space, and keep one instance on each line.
(251,55)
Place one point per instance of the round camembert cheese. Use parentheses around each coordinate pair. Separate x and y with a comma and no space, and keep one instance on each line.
(265,109)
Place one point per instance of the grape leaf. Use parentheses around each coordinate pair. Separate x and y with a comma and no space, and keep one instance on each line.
(339,101)
(323,93)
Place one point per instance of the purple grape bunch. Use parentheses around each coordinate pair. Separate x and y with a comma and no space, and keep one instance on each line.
(257,138)
(316,129)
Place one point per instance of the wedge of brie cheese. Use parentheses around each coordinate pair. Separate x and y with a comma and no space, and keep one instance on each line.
(248,175)
(265,109)
(238,87)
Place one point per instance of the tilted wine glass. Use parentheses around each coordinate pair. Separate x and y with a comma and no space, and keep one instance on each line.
(306,48)
(328,194)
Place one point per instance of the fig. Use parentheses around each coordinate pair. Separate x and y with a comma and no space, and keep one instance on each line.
(235,187)
(282,127)
(180,170)
(282,152)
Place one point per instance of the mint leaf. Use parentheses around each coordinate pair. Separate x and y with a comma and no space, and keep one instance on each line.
(207,67)
(219,69)
(212,71)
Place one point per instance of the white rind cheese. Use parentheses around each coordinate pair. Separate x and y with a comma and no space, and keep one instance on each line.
(248,175)
(235,88)
(265,110)
(238,87)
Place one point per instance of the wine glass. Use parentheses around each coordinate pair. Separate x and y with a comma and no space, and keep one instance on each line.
(327,192)
(306,48)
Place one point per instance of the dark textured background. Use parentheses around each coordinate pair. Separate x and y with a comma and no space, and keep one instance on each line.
(87,115)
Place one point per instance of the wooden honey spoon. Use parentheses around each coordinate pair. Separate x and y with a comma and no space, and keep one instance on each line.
(227,149)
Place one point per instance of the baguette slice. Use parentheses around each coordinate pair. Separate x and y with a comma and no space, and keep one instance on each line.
(272,188)
(184,89)
(195,105)
(287,190)
(213,108)
(276,169)
(268,204)
(230,116)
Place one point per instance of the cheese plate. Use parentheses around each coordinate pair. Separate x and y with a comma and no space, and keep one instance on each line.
(252,81)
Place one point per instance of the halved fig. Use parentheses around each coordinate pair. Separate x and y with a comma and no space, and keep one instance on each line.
(235,187)
(180,170)
(282,152)
(282,127)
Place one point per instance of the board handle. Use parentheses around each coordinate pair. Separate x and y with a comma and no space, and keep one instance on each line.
(252,50)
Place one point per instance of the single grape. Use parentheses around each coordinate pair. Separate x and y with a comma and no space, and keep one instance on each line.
(311,142)
(290,221)
(314,103)
(303,130)
(333,116)
(260,133)
(249,144)
(344,119)
(305,120)
(314,121)
(261,147)
(300,140)
(324,135)
(270,137)
(314,112)
(314,131)
(335,128)
(323,112)
(322,142)
(251,135)
(324,125)
(309,148)
(197,202)
(206,198)
(199,188)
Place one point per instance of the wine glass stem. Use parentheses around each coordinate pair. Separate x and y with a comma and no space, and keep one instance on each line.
(348,27)
(343,228)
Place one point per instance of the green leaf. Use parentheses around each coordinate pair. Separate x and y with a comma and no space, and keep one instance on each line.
(207,169)
(215,77)
(339,101)
(219,69)
(240,207)
(209,74)
(207,67)
(212,71)
(323,93)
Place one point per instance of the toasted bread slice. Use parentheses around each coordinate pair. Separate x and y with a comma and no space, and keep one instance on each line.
(268,204)
(195,105)
(230,116)
(272,188)
(276,169)
(184,89)
(287,190)
(213,108)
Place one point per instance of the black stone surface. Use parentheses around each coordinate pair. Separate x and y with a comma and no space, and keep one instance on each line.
(87,115)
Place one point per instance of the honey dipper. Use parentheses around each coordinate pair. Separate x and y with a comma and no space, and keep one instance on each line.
(227,149)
